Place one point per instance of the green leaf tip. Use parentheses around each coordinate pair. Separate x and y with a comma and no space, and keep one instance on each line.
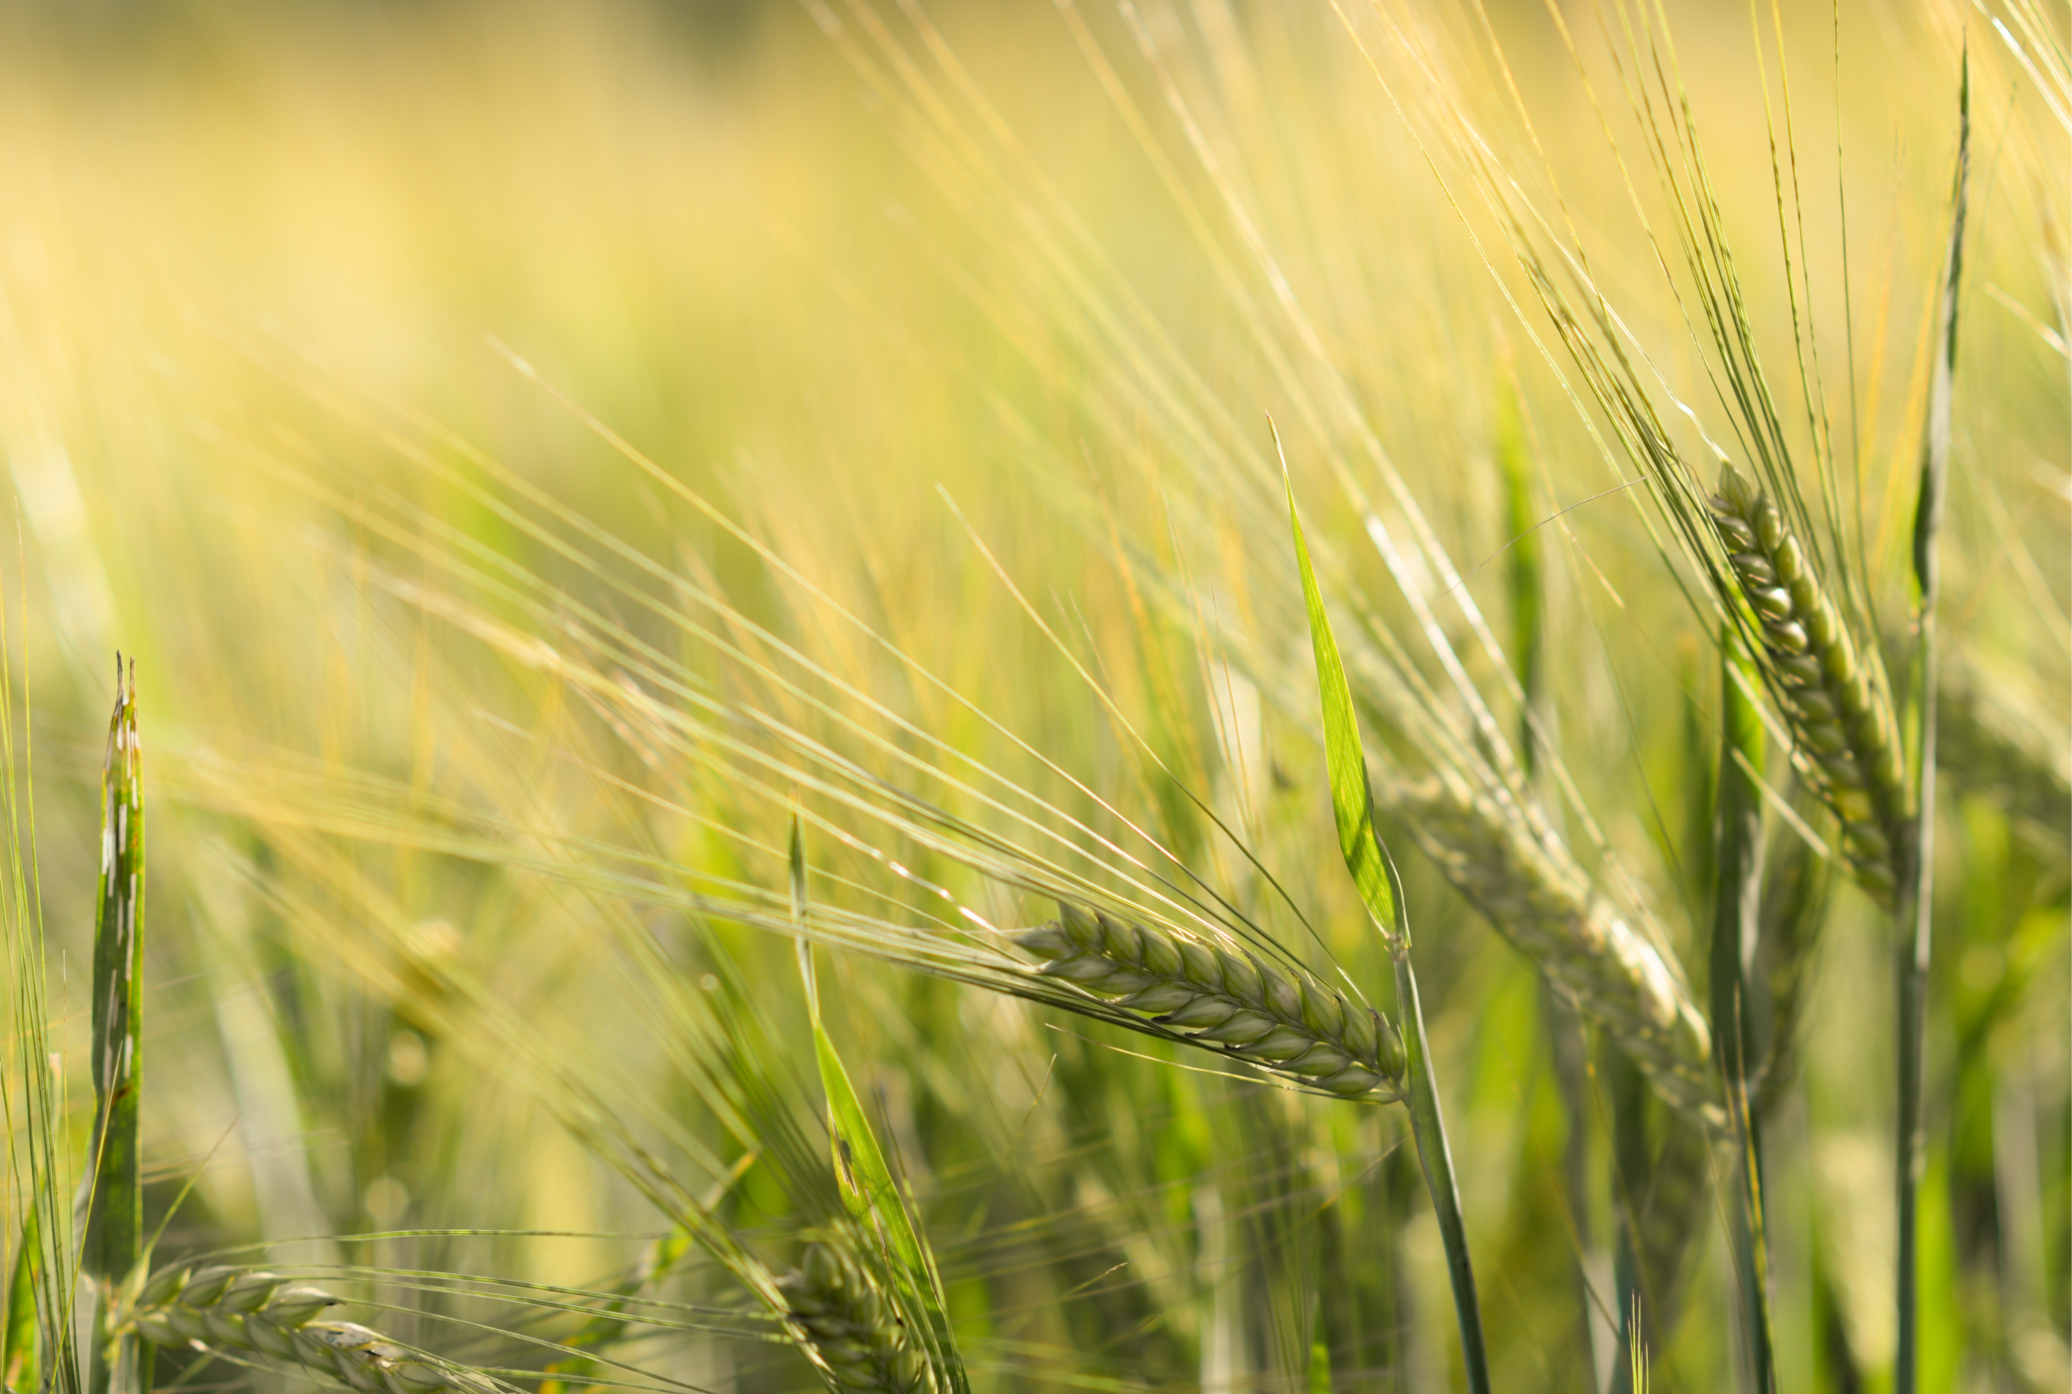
(1352,804)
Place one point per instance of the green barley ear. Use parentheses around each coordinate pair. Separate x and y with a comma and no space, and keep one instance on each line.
(114,1233)
(1381,890)
(917,1306)
(1539,898)
(1832,693)
(251,1315)
(1275,1015)
(851,1325)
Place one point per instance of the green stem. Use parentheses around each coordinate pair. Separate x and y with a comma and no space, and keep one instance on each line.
(1912,920)
(1738,1005)
(1630,1165)
(1913,913)
(1428,1126)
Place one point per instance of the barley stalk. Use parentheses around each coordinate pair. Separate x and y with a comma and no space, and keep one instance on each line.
(851,1327)
(246,1312)
(1846,740)
(1540,900)
(1279,1018)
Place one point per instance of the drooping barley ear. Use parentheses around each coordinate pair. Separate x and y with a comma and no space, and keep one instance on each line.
(1997,739)
(1275,1016)
(1846,741)
(849,1326)
(1542,901)
(247,1313)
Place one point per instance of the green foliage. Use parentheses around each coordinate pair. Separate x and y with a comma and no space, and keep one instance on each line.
(870,456)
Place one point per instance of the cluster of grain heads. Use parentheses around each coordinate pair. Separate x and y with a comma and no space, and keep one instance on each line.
(1840,715)
(1536,895)
(850,1327)
(1276,1017)
(244,1313)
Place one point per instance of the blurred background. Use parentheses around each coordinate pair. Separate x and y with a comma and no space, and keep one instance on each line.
(322,322)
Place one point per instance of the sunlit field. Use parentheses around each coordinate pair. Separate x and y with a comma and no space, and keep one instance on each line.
(744,794)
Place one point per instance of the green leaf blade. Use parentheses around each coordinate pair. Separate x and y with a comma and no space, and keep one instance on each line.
(18,1338)
(1352,804)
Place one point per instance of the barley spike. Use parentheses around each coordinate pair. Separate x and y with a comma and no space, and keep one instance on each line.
(1277,1017)
(249,1312)
(1524,880)
(1833,700)
(850,1328)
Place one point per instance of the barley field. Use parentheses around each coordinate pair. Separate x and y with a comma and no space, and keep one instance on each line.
(963,696)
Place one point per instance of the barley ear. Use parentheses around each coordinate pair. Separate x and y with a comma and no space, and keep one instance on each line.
(113,1201)
(1277,1016)
(851,1326)
(1539,899)
(1833,697)
(250,1314)
(1273,1015)
(917,1305)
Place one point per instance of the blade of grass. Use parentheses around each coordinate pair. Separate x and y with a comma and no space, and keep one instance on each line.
(18,1362)
(1916,904)
(1738,1007)
(114,1231)
(49,1229)
(1381,891)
